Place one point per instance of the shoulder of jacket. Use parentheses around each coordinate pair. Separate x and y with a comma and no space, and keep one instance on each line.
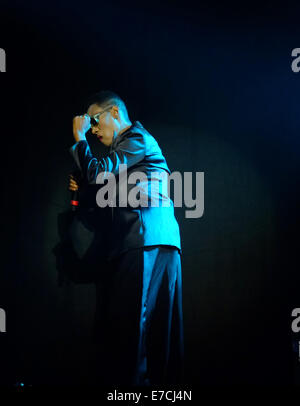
(136,132)
(142,135)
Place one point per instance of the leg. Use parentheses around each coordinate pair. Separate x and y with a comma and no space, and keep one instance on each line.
(139,318)
(160,355)
(117,318)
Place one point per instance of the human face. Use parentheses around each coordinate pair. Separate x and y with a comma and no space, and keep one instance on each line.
(107,126)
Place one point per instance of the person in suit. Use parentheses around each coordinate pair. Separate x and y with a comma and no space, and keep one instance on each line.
(139,321)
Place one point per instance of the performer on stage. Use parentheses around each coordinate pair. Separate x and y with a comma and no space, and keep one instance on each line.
(139,295)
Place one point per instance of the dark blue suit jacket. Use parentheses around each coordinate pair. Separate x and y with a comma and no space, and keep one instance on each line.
(133,227)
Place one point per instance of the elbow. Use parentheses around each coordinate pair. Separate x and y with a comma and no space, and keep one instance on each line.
(91,177)
(92,172)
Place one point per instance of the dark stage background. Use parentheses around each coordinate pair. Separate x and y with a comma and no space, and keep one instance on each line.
(214,86)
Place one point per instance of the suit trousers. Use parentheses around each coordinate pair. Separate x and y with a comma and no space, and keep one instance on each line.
(138,320)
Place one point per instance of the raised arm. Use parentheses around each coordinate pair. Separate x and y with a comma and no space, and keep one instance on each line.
(129,151)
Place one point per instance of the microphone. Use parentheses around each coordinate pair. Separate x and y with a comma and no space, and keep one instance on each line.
(74,202)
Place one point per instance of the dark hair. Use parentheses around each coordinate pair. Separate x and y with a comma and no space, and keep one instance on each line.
(104,98)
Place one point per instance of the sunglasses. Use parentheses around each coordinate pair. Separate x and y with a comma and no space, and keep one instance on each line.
(95,119)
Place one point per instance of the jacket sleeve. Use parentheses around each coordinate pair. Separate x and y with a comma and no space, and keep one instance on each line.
(129,151)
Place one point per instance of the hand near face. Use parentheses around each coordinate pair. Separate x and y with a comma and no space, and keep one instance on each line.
(81,124)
